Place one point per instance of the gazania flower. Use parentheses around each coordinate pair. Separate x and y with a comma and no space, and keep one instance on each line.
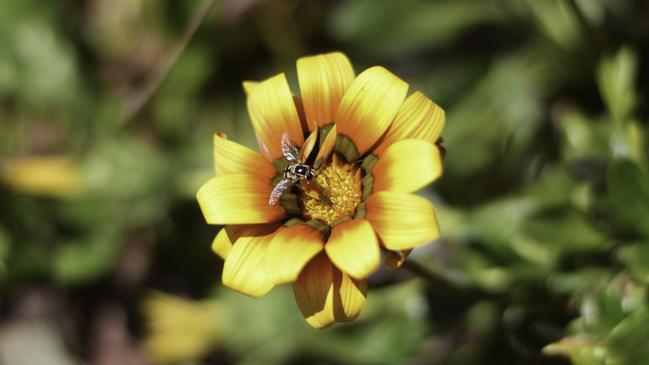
(370,147)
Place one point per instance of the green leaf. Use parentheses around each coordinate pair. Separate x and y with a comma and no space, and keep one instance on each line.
(497,221)
(84,260)
(412,23)
(636,259)
(553,188)
(582,350)
(578,281)
(499,116)
(628,194)
(583,136)
(628,343)
(565,232)
(616,77)
(601,312)
(129,179)
(557,20)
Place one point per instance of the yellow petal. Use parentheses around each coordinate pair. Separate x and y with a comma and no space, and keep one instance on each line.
(369,106)
(226,237)
(327,146)
(418,118)
(323,81)
(244,269)
(354,249)
(299,107)
(290,250)
(248,86)
(231,158)
(325,295)
(222,244)
(407,166)
(263,149)
(307,148)
(352,294)
(237,199)
(314,292)
(273,112)
(402,220)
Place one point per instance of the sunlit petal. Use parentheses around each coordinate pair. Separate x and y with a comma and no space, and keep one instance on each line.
(231,157)
(308,146)
(248,86)
(327,146)
(354,249)
(325,295)
(402,220)
(407,166)
(221,245)
(369,106)
(237,199)
(418,118)
(323,81)
(273,112)
(244,268)
(290,250)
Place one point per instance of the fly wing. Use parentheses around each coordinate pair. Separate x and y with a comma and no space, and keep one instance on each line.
(289,150)
(278,190)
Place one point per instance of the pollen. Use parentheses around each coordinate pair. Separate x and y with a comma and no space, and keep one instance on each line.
(333,195)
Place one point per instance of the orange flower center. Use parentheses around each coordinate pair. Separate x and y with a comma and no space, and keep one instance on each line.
(333,195)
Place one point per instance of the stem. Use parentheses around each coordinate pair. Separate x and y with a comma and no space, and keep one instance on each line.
(161,70)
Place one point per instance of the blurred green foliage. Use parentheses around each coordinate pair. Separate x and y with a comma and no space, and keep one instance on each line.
(544,205)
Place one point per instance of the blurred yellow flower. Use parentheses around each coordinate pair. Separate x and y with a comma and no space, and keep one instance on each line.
(57,176)
(179,329)
(370,148)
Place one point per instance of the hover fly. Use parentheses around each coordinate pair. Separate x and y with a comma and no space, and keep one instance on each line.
(295,171)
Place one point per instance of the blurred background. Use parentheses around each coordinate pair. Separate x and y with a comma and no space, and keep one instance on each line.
(106,126)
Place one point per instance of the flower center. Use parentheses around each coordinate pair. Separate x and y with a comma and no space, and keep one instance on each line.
(334,194)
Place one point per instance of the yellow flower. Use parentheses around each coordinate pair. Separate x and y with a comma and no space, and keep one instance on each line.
(179,329)
(371,148)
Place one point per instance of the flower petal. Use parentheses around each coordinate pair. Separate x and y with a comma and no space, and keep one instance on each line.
(326,295)
(369,106)
(407,166)
(222,244)
(248,86)
(327,147)
(402,220)
(231,158)
(313,291)
(291,249)
(323,81)
(273,112)
(418,118)
(307,148)
(263,149)
(237,199)
(351,293)
(243,270)
(354,249)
